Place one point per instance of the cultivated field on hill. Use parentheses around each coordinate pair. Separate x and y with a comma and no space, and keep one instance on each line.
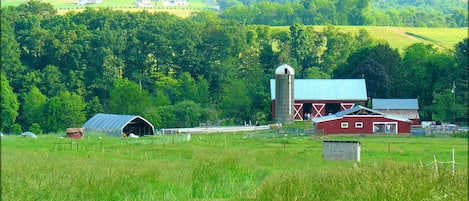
(403,37)
(235,166)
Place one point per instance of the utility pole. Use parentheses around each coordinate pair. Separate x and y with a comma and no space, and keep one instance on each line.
(453,91)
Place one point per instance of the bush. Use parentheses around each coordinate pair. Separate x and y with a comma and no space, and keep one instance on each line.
(461,134)
(16,129)
(35,128)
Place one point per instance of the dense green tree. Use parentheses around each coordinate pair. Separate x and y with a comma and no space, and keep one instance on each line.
(338,47)
(52,116)
(63,111)
(425,66)
(35,128)
(305,48)
(16,129)
(10,104)
(169,118)
(51,81)
(461,73)
(10,55)
(32,107)
(93,107)
(37,8)
(235,103)
(379,65)
(193,90)
(188,114)
(151,114)
(127,98)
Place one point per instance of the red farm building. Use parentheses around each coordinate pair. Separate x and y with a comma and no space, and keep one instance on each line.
(404,108)
(362,120)
(315,98)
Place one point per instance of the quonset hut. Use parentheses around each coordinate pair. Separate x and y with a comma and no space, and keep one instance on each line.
(116,125)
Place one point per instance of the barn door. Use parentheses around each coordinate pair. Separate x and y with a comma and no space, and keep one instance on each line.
(298,111)
(346,106)
(318,110)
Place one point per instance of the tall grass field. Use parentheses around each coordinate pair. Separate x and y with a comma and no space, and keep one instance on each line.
(231,166)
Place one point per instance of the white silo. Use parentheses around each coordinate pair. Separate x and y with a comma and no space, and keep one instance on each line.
(284,99)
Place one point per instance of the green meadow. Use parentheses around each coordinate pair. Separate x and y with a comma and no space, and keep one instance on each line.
(260,165)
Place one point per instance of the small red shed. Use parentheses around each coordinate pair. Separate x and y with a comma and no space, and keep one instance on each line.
(75,133)
(360,119)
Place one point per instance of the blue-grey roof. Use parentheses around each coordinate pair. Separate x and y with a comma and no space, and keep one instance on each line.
(357,108)
(395,104)
(326,89)
(111,124)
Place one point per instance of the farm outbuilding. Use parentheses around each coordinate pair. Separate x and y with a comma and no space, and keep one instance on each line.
(341,150)
(116,125)
(314,98)
(405,108)
(75,133)
(362,120)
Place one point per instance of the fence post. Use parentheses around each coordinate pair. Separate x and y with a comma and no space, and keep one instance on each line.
(453,161)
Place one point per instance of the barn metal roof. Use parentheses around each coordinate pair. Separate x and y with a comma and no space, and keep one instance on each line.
(326,89)
(354,111)
(112,124)
(393,104)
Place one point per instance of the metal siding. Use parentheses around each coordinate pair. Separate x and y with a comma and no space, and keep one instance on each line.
(284,104)
(403,104)
(336,150)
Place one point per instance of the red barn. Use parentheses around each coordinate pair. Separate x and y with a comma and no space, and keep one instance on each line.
(360,119)
(315,98)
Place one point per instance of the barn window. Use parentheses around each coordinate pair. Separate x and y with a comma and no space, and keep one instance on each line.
(358,124)
(344,125)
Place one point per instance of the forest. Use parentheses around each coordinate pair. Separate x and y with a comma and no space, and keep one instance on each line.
(59,70)
(408,13)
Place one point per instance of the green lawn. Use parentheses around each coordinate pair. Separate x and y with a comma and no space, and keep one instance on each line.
(234,166)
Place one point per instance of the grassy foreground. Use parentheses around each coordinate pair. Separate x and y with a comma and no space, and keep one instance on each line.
(232,166)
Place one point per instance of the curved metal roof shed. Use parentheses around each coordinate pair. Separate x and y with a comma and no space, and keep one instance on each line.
(115,125)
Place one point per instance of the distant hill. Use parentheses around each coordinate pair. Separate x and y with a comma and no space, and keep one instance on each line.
(402,37)
(398,37)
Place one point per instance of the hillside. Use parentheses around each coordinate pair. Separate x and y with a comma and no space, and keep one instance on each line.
(402,37)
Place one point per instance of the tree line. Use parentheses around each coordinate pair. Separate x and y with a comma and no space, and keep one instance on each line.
(59,70)
(432,13)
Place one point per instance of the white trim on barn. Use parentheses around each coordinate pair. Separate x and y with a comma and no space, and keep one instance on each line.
(387,127)
(297,108)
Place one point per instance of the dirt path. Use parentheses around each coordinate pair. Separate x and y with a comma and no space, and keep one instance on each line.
(404,33)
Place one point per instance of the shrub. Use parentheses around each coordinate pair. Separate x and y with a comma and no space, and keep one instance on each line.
(16,129)
(35,128)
